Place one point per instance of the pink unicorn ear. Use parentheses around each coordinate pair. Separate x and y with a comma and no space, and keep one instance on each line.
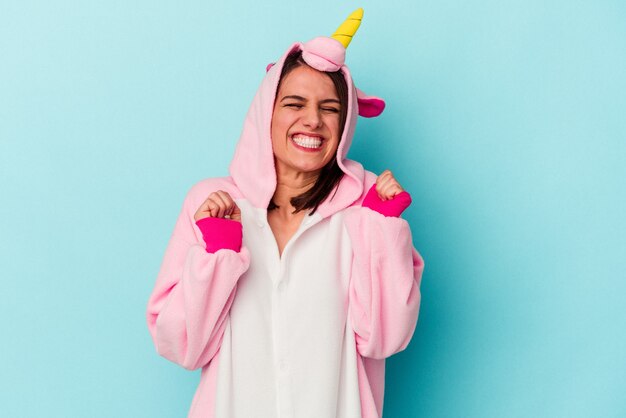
(270,65)
(369,106)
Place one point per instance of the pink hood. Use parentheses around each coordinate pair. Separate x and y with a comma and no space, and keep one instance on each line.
(252,167)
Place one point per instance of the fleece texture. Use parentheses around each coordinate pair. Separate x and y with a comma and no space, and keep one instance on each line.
(302,334)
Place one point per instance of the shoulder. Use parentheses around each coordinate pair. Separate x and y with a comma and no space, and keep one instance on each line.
(369,179)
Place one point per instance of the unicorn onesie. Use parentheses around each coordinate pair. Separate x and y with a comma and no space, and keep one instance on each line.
(304,334)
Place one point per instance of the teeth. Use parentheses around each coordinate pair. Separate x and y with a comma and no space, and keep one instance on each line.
(307,141)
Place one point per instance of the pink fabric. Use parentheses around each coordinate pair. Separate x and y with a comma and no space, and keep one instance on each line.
(324,54)
(194,291)
(219,233)
(384,293)
(371,386)
(203,404)
(191,277)
(369,106)
(393,207)
(384,296)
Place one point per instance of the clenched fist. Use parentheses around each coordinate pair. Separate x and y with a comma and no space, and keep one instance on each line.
(219,204)
(387,186)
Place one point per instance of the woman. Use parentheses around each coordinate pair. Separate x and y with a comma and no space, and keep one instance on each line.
(291,281)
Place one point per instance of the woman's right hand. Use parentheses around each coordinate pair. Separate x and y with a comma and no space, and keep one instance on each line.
(219,204)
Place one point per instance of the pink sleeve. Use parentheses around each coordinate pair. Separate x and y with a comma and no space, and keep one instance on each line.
(219,234)
(194,290)
(392,207)
(385,281)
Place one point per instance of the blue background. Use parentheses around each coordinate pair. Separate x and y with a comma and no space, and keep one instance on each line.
(505,119)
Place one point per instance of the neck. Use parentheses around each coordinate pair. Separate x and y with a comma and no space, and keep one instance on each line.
(290,184)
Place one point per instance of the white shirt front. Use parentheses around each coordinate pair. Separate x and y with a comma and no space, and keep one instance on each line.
(288,350)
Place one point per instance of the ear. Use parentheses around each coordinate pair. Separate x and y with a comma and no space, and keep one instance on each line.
(369,106)
(270,65)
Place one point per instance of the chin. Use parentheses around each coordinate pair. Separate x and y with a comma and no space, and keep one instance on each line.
(307,166)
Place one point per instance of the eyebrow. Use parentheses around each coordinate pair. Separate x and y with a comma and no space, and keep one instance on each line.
(302,99)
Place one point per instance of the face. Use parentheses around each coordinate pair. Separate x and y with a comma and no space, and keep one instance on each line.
(305,122)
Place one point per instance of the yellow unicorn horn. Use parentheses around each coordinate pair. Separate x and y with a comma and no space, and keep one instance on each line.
(346,31)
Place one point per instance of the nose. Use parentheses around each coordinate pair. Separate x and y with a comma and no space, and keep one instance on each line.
(312,118)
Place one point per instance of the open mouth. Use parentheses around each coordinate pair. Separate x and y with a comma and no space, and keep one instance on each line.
(308,143)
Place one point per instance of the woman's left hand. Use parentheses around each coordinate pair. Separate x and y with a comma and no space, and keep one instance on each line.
(387,186)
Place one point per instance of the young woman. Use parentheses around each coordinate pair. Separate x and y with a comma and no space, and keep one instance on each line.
(290,281)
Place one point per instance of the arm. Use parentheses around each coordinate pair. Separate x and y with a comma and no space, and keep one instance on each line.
(194,290)
(386,274)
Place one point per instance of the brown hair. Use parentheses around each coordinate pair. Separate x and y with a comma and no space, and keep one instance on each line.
(331,173)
